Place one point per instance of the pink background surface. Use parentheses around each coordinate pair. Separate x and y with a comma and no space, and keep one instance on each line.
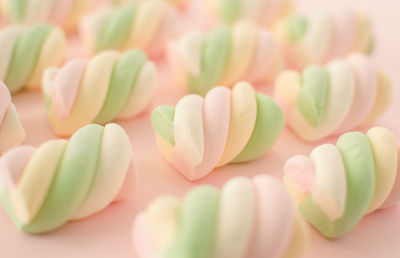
(108,233)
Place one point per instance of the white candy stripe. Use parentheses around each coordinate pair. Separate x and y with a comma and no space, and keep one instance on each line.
(329,190)
(188,131)
(317,40)
(236,219)
(115,156)
(162,219)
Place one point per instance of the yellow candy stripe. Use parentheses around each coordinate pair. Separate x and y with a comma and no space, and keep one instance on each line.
(243,119)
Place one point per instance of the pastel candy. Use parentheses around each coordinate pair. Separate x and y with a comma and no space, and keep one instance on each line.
(145,25)
(81,177)
(355,177)
(225,56)
(224,127)
(64,13)
(322,101)
(109,86)
(26,52)
(202,226)
(11,131)
(264,12)
(321,37)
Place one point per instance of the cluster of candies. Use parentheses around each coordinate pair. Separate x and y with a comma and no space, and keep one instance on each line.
(325,84)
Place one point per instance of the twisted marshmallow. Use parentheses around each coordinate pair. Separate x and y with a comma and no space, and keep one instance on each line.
(337,185)
(264,12)
(42,188)
(247,218)
(64,13)
(109,86)
(224,57)
(337,98)
(323,37)
(11,131)
(26,52)
(224,127)
(146,25)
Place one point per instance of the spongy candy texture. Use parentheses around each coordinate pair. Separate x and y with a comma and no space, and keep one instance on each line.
(225,56)
(61,180)
(109,86)
(64,13)
(146,25)
(224,127)
(337,185)
(336,98)
(322,37)
(11,131)
(264,224)
(264,12)
(26,52)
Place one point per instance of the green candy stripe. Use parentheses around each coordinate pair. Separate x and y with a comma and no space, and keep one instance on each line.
(162,120)
(17,9)
(296,27)
(230,10)
(117,29)
(198,224)
(25,56)
(360,177)
(269,125)
(123,78)
(313,94)
(215,56)
(371,47)
(71,182)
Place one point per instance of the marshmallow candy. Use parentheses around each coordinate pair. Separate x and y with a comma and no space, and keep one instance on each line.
(226,126)
(224,57)
(264,12)
(26,52)
(323,37)
(64,13)
(64,180)
(11,131)
(337,185)
(146,25)
(111,85)
(336,98)
(247,218)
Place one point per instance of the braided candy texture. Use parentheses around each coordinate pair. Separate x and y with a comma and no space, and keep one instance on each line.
(11,131)
(264,12)
(337,185)
(336,98)
(145,25)
(224,127)
(225,56)
(64,13)
(109,86)
(26,52)
(322,37)
(42,188)
(247,218)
